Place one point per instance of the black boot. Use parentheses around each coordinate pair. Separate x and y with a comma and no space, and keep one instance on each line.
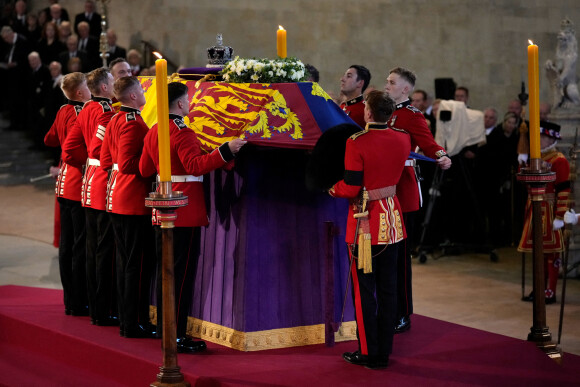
(187,345)
(529,297)
(403,324)
(356,358)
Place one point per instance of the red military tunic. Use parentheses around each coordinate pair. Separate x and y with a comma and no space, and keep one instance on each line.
(121,151)
(410,119)
(187,159)
(374,159)
(84,147)
(68,183)
(355,109)
(556,203)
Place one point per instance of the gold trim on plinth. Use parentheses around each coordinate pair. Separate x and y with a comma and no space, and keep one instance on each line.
(268,339)
(261,340)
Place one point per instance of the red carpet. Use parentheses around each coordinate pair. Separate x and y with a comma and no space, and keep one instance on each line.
(39,345)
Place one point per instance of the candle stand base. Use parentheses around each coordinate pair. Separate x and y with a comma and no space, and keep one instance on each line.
(170,377)
(166,203)
(542,337)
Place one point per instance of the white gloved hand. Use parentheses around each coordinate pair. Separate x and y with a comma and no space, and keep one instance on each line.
(570,217)
(522,158)
(558,224)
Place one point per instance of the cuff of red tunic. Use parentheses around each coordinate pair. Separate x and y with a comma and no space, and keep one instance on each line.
(226,153)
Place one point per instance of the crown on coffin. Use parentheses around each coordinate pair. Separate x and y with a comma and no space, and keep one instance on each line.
(219,54)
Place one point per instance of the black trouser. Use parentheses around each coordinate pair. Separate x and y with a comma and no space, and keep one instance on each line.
(71,254)
(404,272)
(135,262)
(375,296)
(186,253)
(100,264)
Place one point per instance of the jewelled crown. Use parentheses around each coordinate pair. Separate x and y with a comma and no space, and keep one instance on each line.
(219,54)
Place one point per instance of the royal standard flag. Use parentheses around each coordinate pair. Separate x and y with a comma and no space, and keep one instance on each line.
(287,115)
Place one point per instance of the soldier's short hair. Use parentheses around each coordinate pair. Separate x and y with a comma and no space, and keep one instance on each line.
(115,61)
(176,90)
(123,87)
(96,78)
(313,71)
(407,75)
(362,73)
(380,105)
(71,82)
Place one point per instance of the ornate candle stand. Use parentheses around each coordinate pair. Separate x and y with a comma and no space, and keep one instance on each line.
(166,203)
(103,44)
(537,177)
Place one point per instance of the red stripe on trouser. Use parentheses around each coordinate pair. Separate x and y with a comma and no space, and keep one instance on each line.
(362,337)
(406,284)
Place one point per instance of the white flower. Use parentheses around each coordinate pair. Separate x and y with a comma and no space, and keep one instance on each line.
(263,70)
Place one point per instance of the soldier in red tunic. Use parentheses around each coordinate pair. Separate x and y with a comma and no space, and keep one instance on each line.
(120,68)
(374,161)
(71,253)
(188,165)
(352,85)
(83,147)
(126,192)
(400,83)
(553,209)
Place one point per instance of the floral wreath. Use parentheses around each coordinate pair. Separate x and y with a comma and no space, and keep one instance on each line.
(254,70)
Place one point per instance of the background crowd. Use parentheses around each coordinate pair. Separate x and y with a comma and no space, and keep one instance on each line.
(37,49)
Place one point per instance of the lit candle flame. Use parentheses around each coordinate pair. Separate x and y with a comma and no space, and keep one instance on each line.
(530,42)
(158,55)
(280,27)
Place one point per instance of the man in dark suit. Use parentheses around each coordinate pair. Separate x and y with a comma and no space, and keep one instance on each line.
(420,100)
(55,94)
(62,12)
(72,52)
(90,45)
(58,14)
(91,17)
(39,84)
(18,21)
(114,50)
(13,70)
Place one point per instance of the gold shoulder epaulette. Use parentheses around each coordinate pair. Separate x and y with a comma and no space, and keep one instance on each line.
(357,134)
(400,130)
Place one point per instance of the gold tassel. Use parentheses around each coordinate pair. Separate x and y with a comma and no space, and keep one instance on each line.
(360,258)
(367,254)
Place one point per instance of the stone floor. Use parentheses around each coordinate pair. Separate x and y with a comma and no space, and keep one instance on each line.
(467,289)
